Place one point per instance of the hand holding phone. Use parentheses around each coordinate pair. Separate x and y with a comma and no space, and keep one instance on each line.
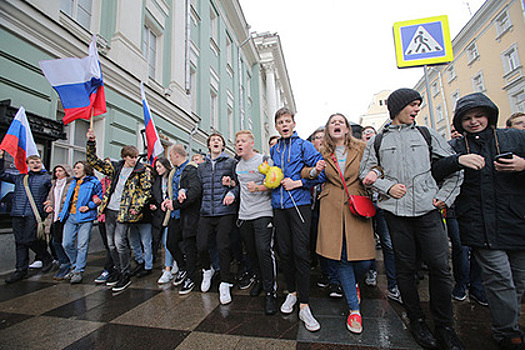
(506,155)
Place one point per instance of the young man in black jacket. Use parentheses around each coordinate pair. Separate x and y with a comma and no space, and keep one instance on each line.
(184,190)
(491,208)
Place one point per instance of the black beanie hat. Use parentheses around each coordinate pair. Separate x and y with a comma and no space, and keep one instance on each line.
(400,98)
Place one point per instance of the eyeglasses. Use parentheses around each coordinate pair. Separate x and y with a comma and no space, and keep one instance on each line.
(318,138)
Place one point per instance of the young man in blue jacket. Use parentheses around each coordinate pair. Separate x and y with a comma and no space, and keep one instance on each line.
(219,191)
(292,213)
(24,221)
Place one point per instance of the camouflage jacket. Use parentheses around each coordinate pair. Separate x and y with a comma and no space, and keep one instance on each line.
(137,189)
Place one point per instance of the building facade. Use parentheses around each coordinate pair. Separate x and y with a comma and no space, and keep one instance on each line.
(377,113)
(201,68)
(489,53)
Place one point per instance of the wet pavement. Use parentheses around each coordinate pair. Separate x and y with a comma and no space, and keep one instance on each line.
(39,313)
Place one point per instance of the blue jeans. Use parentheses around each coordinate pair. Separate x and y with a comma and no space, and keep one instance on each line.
(168,258)
(466,269)
(80,232)
(350,273)
(329,268)
(141,233)
(57,234)
(389,259)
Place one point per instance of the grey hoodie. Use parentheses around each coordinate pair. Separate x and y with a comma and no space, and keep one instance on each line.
(405,159)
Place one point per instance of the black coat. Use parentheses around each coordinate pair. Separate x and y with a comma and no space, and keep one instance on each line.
(490,208)
(189,208)
(157,199)
(213,191)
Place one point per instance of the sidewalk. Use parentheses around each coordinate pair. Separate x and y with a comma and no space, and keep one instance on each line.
(39,313)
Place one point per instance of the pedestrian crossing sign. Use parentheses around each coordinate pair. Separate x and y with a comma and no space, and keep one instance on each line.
(423,41)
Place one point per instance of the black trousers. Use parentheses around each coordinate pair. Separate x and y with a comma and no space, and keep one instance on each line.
(257,235)
(182,245)
(24,230)
(424,236)
(109,266)
(218,228)
(293,240)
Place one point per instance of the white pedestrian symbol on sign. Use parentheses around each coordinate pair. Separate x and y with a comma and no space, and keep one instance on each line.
(422,42)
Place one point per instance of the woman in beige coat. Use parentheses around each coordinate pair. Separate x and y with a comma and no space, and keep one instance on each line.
(344,237)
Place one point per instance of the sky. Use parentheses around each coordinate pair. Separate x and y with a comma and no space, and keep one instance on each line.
(339,53)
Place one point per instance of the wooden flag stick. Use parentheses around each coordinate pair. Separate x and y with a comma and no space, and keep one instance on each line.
(91,119)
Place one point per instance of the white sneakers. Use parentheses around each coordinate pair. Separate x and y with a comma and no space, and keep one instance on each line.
(166,277)
(37,264)
(287,306)
(309,320)
(224,293)
(207,275)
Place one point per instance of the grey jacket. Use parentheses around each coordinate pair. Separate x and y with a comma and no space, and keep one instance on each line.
(405,159)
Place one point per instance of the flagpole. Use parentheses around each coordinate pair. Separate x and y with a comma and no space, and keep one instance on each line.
(91,119)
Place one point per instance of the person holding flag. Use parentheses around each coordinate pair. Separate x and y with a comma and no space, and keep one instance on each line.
(79,84)
(31,188)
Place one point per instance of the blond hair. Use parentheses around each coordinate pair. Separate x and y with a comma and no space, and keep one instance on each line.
(245,132)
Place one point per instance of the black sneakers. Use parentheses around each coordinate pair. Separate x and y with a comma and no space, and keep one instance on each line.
(245,281)
(187,287)
(270,303)
(256,289)
(447,338)
(143,273)
(113,279)
(16,276)
(335,291)
(422,334)
(138,269)
(122,284)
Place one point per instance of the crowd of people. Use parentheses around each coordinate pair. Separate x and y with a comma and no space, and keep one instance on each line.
(210,210)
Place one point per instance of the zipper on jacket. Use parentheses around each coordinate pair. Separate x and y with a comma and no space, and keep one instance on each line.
(282,166)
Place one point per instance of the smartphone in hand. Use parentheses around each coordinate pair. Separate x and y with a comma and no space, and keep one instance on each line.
(506,155)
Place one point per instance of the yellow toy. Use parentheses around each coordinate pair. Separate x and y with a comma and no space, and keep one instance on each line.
(274,175)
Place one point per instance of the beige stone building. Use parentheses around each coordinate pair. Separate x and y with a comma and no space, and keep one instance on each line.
(489,53)
(377,113)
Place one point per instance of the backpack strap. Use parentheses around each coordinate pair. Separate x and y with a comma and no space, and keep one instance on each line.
(377,145)
(40,234)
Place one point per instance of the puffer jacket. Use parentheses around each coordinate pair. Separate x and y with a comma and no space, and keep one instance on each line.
(137,189)
(89,187)
(291,155)
(213,191)
(406,159)
(39,185)
(491,206)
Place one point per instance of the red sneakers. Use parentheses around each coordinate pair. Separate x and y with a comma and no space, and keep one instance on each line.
(354,323)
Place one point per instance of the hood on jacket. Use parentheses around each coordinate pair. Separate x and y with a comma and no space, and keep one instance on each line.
(475,100)
(66,167)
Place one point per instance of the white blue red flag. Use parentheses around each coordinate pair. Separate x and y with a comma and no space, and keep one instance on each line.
(78,82)
(19,142)
(152,137)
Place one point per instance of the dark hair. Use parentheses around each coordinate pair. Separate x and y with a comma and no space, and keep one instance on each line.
(283,111)
(88,169)
(274,137)
(216,134)
(165,162)
(513,116)
(54,177)
(129,150)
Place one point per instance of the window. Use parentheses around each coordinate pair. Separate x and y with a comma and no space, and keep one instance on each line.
(214,32)
(434,88)
(74,147)
(518,101)
(502,23)
(214,109)
(451,73)
(229,108)
(79,10)
(149,50)
(439,113)
(511,60)
(454,98)
(472,53)
(193,88)
(229,58)
(425,120)
(478,83)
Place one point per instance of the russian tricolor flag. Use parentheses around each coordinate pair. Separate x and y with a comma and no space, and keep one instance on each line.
(78,82)
(19,142)
(152,137)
